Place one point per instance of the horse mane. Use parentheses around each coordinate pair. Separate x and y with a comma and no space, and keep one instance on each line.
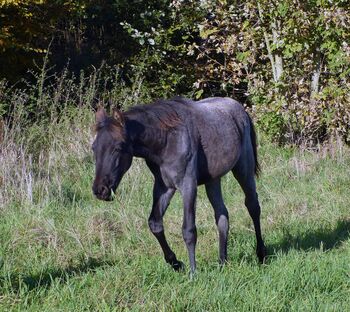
(162,114)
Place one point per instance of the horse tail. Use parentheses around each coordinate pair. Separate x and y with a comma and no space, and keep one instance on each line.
(253,139)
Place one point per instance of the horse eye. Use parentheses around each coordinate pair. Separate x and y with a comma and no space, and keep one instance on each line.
(117,149)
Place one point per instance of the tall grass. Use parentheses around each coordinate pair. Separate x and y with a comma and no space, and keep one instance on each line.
(61,249)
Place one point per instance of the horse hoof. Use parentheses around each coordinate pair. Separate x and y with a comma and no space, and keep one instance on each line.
(192,275)
(223,262)
(262,255)
(178,266)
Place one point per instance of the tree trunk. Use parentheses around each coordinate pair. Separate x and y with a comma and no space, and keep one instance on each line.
(275,58)
(315,78)
(275,26)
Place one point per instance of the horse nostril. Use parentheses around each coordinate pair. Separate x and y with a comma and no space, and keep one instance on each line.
(104,190)
(101,191)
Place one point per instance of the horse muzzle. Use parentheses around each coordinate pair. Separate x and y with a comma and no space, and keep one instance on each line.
(102,192)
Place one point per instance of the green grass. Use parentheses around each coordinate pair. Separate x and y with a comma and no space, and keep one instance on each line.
(63,250)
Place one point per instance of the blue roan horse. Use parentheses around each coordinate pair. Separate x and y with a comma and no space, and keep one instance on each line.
(185,144)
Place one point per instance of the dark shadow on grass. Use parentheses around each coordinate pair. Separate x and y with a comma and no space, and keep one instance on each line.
(46,278)
(322,238)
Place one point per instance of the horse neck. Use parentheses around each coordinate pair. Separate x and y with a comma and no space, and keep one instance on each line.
(147,141)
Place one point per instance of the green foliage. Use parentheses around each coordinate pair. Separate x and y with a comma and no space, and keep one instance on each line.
(287,57)
(293,54)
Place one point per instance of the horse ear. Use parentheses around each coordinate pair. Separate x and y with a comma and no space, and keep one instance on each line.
(118,116)
(100,115)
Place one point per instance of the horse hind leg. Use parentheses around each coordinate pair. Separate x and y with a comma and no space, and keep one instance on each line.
(244,174)
(214,194)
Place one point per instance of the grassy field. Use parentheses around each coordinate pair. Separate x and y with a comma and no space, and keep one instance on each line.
(62,250)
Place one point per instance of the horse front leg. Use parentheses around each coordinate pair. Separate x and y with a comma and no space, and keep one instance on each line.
(161,199)
(189,231)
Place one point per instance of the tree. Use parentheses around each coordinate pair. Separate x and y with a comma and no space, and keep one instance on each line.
(290,57)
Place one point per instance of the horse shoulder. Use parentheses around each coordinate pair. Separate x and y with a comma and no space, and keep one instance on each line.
(178,157)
